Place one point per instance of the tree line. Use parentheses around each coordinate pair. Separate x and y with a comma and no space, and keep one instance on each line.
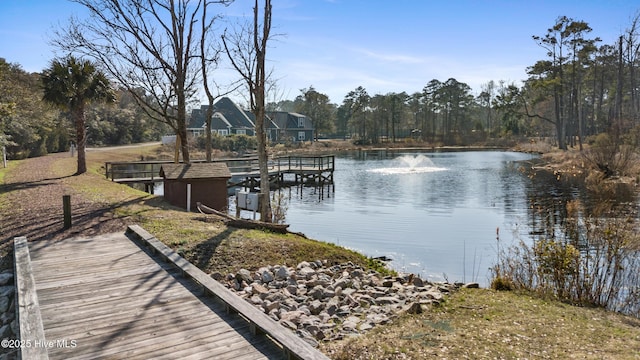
(580,88)
(31,126)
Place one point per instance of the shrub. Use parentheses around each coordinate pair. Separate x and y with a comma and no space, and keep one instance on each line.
(609,156)
(237,143)
(596,262)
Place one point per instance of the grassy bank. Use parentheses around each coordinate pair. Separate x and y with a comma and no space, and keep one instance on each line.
(486,324)
(201,239)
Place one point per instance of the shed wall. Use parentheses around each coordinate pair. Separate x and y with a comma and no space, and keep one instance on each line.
(210,192)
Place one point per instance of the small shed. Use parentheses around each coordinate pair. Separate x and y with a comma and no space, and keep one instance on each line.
(208,184)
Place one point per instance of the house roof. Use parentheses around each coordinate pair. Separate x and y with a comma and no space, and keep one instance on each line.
(195,171)
(225,114)
(287,120)
(268,123)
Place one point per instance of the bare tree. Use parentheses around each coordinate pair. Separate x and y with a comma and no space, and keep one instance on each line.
(209,60)
(148,45)
(246,49)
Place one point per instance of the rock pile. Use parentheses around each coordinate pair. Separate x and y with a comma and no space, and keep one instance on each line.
(8,323)
(323,303)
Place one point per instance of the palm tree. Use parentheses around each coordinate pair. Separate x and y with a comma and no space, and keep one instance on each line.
(71,84)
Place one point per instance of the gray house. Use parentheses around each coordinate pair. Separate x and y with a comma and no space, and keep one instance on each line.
(288,126)
(228,118)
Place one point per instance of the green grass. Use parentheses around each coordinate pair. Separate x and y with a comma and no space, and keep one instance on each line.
(487,324)
(10,166)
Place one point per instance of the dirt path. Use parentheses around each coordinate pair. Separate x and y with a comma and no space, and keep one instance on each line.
(34,206)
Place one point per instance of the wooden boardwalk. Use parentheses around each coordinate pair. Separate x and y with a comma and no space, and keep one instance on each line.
(108,297)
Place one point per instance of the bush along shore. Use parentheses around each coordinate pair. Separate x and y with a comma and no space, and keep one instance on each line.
(322,302)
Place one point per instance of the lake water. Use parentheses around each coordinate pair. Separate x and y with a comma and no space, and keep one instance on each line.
(438,217)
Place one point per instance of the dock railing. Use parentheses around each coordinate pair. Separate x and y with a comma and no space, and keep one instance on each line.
(149,171)
(299,163)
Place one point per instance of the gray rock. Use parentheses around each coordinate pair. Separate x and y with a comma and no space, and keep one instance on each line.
(315,307)
(7,290)
(349,325)
(417,282)
(329,303)
(386,300)
(317,292)
(244,275)
(6,277)
(307,337)
(413,308)
(292,316)
(269,306)
(433,294)
(471,286)
(5,331)
(256,300)
(266,276)
(7,317)
(282,273)
(216,276)
(306,272)
(4,303)
(292,290)
(259,289)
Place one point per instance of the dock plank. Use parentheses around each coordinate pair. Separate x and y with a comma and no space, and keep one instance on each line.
(108,298)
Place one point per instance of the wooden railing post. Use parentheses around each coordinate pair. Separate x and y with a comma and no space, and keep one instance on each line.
(28,316)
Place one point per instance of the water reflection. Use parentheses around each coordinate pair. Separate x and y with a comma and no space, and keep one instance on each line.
(439,224)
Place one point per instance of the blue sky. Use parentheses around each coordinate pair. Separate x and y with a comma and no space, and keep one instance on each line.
(382,45)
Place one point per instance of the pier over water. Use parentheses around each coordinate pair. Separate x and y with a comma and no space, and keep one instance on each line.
(283,171)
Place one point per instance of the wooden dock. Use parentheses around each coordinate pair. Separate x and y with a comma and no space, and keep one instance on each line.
(112,297)
(244,171)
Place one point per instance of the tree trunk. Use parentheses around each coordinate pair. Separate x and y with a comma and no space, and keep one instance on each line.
(208,131)
(261,49)
(182,127)
(81,138)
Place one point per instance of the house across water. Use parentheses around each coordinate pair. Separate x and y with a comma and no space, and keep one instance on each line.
(229,119)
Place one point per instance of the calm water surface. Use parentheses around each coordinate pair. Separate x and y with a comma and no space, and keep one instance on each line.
(437,218)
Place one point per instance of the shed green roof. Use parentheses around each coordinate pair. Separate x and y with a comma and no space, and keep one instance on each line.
(195,171)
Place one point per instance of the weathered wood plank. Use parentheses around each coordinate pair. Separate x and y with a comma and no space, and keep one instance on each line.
(148,269)
(91,304)
(203,350)
(28,309)
(135,307)
(191,317)
(289,341)
(117,302)
(96,273)
(104,296)
(124,345)
(131,286)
